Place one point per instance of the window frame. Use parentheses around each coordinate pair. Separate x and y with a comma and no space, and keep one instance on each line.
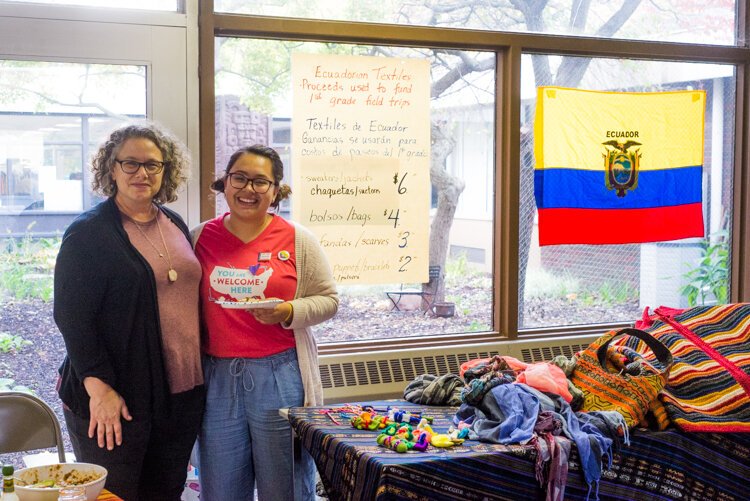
(166,43)
(509,48)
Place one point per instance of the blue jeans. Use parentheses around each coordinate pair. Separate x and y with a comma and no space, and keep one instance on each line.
(243,442)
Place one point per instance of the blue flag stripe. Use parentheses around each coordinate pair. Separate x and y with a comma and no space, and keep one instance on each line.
(587,189)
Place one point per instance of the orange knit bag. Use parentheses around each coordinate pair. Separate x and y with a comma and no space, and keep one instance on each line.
(607,390)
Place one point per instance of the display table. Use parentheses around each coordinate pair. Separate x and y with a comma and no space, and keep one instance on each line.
(657,465)
(105,495)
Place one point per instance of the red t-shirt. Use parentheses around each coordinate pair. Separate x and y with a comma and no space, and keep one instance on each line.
(232,270)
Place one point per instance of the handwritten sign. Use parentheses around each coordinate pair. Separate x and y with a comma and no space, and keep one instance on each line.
(361,157)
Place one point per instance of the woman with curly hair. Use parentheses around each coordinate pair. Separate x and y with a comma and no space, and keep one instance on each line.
(126,303)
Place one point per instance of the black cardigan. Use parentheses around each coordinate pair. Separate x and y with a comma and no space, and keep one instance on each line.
(106,309)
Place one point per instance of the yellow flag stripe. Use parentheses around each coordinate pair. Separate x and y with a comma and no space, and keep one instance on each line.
(572,124)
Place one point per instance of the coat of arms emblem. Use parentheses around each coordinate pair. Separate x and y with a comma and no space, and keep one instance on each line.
(621,166)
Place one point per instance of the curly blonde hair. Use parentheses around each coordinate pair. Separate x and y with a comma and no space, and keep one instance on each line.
(174,155)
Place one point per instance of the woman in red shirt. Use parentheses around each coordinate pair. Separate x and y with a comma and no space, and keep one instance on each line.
(258,360)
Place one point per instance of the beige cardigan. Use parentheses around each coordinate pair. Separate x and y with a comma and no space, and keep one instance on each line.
(315,301)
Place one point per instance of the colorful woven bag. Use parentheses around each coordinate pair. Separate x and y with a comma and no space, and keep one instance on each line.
(608,390)
(708,389)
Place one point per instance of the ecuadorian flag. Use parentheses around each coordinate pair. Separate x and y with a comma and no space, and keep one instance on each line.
(618,167)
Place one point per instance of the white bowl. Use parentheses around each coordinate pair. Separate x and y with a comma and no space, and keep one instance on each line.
(28,476)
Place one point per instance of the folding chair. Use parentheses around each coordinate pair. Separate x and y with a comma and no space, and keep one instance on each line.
(426,296)
(27,423)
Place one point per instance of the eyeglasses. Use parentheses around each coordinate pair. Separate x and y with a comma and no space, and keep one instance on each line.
(259,184)
(131,166)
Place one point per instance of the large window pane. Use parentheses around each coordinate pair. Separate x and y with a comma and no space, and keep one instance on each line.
(52,117)
(709,21)
(254,104)
(584,284)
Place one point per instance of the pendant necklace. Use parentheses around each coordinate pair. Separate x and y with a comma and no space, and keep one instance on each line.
(172,273)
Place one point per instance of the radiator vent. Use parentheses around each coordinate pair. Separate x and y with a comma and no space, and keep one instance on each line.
(337,375)
(543,354)
(385,374)
(325,376)
(394,370)
(372,370)
(397,375)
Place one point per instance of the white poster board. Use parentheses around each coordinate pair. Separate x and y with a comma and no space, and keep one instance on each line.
(361,163)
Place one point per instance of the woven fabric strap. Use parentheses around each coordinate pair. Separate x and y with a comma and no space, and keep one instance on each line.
(662,352)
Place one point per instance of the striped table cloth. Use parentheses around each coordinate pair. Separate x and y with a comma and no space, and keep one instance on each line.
(656,466)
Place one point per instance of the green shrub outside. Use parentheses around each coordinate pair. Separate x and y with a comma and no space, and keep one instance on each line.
(27,267)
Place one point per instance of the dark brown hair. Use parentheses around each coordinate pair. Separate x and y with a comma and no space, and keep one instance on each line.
(277,167)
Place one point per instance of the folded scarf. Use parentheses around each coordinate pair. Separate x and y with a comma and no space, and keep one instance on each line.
(432,390)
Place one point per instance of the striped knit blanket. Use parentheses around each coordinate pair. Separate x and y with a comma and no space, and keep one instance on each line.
(708,389)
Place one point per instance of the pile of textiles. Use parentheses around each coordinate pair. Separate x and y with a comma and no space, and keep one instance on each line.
(506,401)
